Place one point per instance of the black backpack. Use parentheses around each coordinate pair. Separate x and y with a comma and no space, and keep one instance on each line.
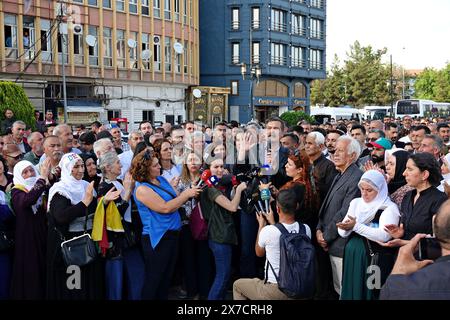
(296,276)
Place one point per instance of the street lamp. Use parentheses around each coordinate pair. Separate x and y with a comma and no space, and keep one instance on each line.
(255,73)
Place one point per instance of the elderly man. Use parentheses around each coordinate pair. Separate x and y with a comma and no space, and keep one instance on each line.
(52,150)
(335,206)
(376,125)
(103,146)
(36,141)
(64,132)
(127,156)
(18,131)
(433,145)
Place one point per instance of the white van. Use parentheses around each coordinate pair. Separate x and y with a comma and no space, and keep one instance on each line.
(326,114)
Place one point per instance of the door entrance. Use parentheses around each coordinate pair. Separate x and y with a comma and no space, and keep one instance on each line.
(263,113)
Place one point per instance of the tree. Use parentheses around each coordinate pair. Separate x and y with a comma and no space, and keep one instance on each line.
(13,97)
(293,117)
(434,84)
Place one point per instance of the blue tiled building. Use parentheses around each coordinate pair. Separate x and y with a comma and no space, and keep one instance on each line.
(282,40)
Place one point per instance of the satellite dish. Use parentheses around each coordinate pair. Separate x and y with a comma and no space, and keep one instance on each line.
(145,55)
(131,43)
(178,47)
(197,93)
(90,40)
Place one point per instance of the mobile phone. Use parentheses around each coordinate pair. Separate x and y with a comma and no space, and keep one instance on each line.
(429,249)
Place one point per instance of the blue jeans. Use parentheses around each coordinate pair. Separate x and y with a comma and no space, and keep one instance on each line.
(114,278)
(222,258)
(134,272)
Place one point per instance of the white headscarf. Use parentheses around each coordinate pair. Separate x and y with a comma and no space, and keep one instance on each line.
(367,210)
(445,176)
(27,183)
(69,187)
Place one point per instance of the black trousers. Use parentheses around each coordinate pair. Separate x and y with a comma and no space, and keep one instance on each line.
(159,265)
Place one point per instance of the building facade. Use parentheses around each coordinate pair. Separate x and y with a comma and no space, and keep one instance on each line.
(129,59)
(267,52)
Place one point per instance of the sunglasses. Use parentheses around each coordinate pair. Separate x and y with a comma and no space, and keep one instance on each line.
(18,157)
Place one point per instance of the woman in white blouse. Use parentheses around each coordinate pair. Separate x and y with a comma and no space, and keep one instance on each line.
(364,226)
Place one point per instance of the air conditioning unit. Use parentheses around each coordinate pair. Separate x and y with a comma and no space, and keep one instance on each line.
(156,39)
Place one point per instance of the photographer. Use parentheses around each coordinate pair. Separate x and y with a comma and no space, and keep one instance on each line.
(422,280)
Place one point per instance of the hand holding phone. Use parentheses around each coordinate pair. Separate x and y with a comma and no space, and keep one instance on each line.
(429,249)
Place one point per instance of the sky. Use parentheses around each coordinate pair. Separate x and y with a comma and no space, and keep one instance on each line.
(415,32)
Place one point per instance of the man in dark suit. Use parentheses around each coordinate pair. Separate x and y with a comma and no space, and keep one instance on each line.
(422,280)
(335,205)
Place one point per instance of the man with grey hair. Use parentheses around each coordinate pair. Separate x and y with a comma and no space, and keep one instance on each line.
(433,145)
(376,125)
(18,131)
(36,141)
(103,146)
(64,133)
(334,208)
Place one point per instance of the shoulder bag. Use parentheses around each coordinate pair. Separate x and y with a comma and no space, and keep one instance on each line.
(79,251)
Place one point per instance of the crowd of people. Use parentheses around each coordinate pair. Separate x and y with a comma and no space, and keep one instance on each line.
(356,190)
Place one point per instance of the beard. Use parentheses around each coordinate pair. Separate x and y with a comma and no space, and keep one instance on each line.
(376,159)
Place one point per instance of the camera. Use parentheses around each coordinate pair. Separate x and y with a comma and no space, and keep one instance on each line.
(429,249)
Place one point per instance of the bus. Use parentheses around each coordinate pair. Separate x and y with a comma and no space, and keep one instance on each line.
(377,112)
(422,108)
(326,114)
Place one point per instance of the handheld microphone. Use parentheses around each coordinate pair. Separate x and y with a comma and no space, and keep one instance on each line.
(204,177)
(212,181)
(265,196)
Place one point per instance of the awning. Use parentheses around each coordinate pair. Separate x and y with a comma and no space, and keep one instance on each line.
(84,106)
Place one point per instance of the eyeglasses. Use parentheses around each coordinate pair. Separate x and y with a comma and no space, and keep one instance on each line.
(18,157)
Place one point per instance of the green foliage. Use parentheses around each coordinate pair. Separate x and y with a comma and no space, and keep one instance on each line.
(362,80)
(13,97)
(434,84)
(293,117)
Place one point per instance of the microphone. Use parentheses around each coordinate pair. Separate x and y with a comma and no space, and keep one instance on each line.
(204,177)
(265,196)
(212,181)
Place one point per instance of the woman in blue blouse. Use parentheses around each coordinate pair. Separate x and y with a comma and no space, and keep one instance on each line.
(158,204)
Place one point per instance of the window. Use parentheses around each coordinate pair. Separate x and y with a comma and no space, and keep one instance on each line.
(145,39)
(78,48)
(132,6)
(11,36)
(120,5)
(107,4)
(255,52)
(133,51)
(185,6)
(278,53)
(46,40)
(186,56)
(107,47)
(178,59)
(177,10)
(317,4)
(145,7)
(120,48)
(157,8)
(148,115)
(315,59)
(299,90)
(316,28)
(62,45)
(112,114)
(298,57)
(255,18)
(235,59)
(29,37)
(93,51)
(234,87)
(298,24)
(235,18)
(167,54)
(92,3)
(157,53)
(167,10)
(278,20)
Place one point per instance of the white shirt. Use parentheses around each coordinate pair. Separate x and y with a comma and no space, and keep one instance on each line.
(269,238)
(125,159)
(405,139)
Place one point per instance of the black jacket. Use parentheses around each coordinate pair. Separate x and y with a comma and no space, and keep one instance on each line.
(429,283)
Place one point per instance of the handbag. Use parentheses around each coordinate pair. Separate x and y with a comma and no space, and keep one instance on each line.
(80,250)
(198,225)
(6,241)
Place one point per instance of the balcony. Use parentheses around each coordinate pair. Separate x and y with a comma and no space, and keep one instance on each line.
(280,27)
(277,60)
